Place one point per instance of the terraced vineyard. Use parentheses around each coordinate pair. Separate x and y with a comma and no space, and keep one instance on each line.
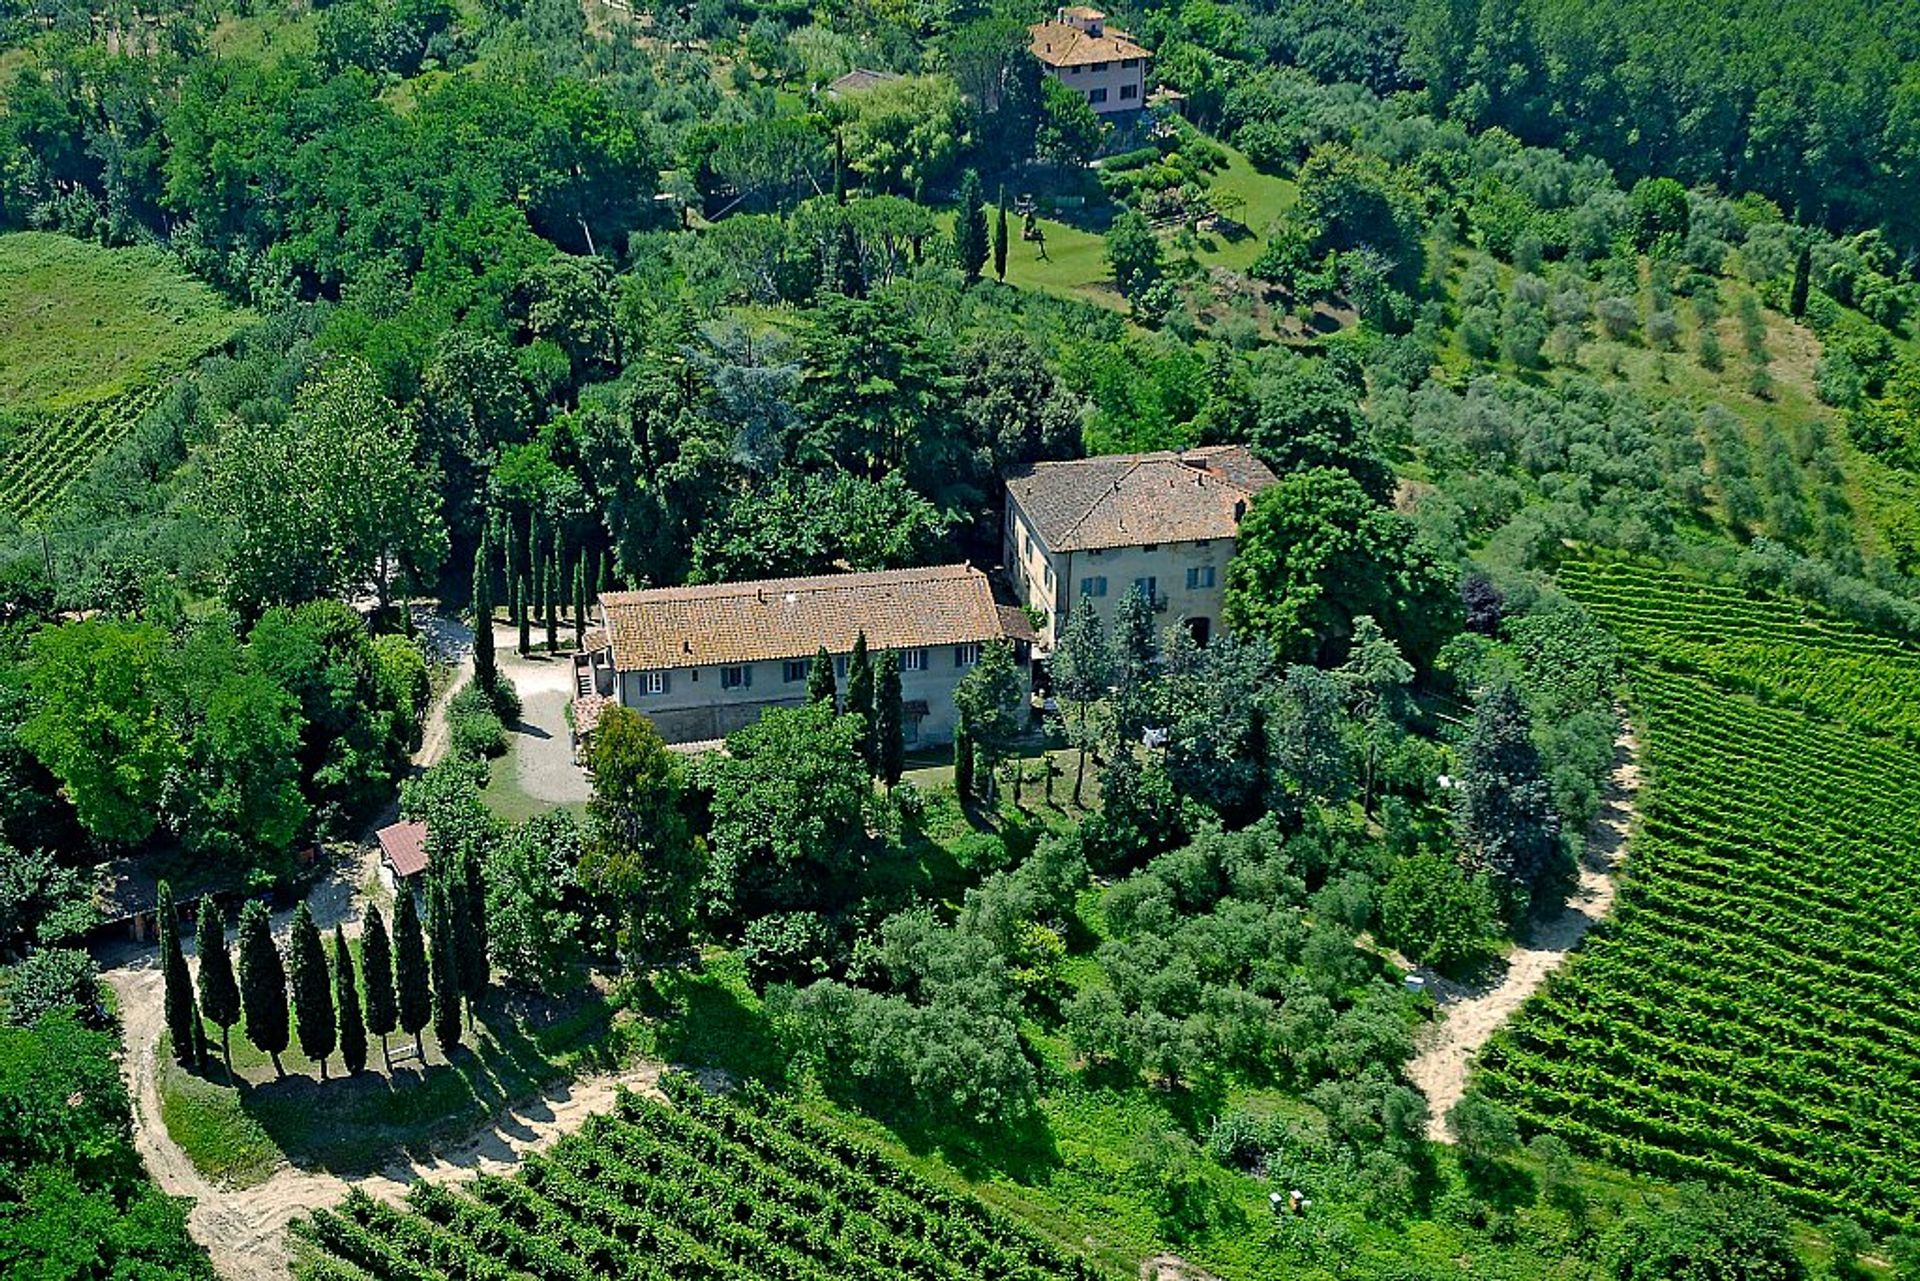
(732,1191)
(1750,1014)
(58,449)
(1780,649)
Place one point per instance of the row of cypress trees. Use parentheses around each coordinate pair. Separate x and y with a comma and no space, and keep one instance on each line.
(536,592)
(873,692)
(318,995)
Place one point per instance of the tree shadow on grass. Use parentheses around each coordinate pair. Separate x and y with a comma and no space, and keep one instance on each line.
(705,1018)
(1024,1151)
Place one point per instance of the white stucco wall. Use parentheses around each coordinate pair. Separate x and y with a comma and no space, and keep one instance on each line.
(696,706)
(1029,561)
(1116,78)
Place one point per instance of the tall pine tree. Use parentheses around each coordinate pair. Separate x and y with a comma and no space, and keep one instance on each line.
(889,720)
(410,979)
(446,970)
(183,1015)
(376,965)
(263,985)
(219,994)
(1000,239)
(970,228)
(485,673)
(346,1002)
(312,989)
(860,698)
(820,686)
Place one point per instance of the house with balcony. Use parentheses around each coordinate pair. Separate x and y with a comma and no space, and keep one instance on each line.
(1100,63)
(702,662)
(1081,534)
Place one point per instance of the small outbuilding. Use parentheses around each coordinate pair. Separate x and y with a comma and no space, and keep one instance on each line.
(403,853)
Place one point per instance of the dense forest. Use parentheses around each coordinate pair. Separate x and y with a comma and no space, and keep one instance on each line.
(500,305)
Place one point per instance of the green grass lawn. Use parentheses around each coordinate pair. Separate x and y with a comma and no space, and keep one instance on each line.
(1075,265)
(80,323)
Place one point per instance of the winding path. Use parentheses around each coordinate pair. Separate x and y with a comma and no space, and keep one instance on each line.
(244,1230)
(1471,1015)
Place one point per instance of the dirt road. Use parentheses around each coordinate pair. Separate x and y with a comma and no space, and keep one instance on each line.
(1470,1016)
(245,1230)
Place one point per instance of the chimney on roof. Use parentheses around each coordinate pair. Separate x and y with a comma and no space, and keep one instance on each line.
(1239,510)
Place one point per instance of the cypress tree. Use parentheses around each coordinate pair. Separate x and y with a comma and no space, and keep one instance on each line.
(1802,282)
(1000,239)
(183,1016)
(346,1000)
(860,698)
(470,923)
(889,720)
(219,994)
(606,571)
(970,228)
(376,965)
(521,609)
(263,985)
(446,971)
(312,990)
(820,686)
(550,575)
(484,670)
(410,979)
(962,764)
(580,601)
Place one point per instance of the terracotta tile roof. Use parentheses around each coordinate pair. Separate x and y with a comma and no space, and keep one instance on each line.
(859,80)
(1061,44)
(792,617)
(405,845)
(586,713)
(1125,500)
(593,640)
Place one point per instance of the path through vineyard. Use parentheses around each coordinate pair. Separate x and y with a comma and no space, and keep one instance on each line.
(245,1229)
(1470,1016)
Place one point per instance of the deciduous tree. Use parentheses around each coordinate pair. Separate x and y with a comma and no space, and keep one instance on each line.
(639,849)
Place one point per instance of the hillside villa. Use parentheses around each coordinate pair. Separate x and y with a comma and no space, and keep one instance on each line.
(1085,531)
(701,662)
(1100,63)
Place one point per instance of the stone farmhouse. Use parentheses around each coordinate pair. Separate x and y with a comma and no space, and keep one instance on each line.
(1086,531)
(1100,63)
(702,662)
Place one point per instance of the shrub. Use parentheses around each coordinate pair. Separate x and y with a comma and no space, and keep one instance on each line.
(476,730)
